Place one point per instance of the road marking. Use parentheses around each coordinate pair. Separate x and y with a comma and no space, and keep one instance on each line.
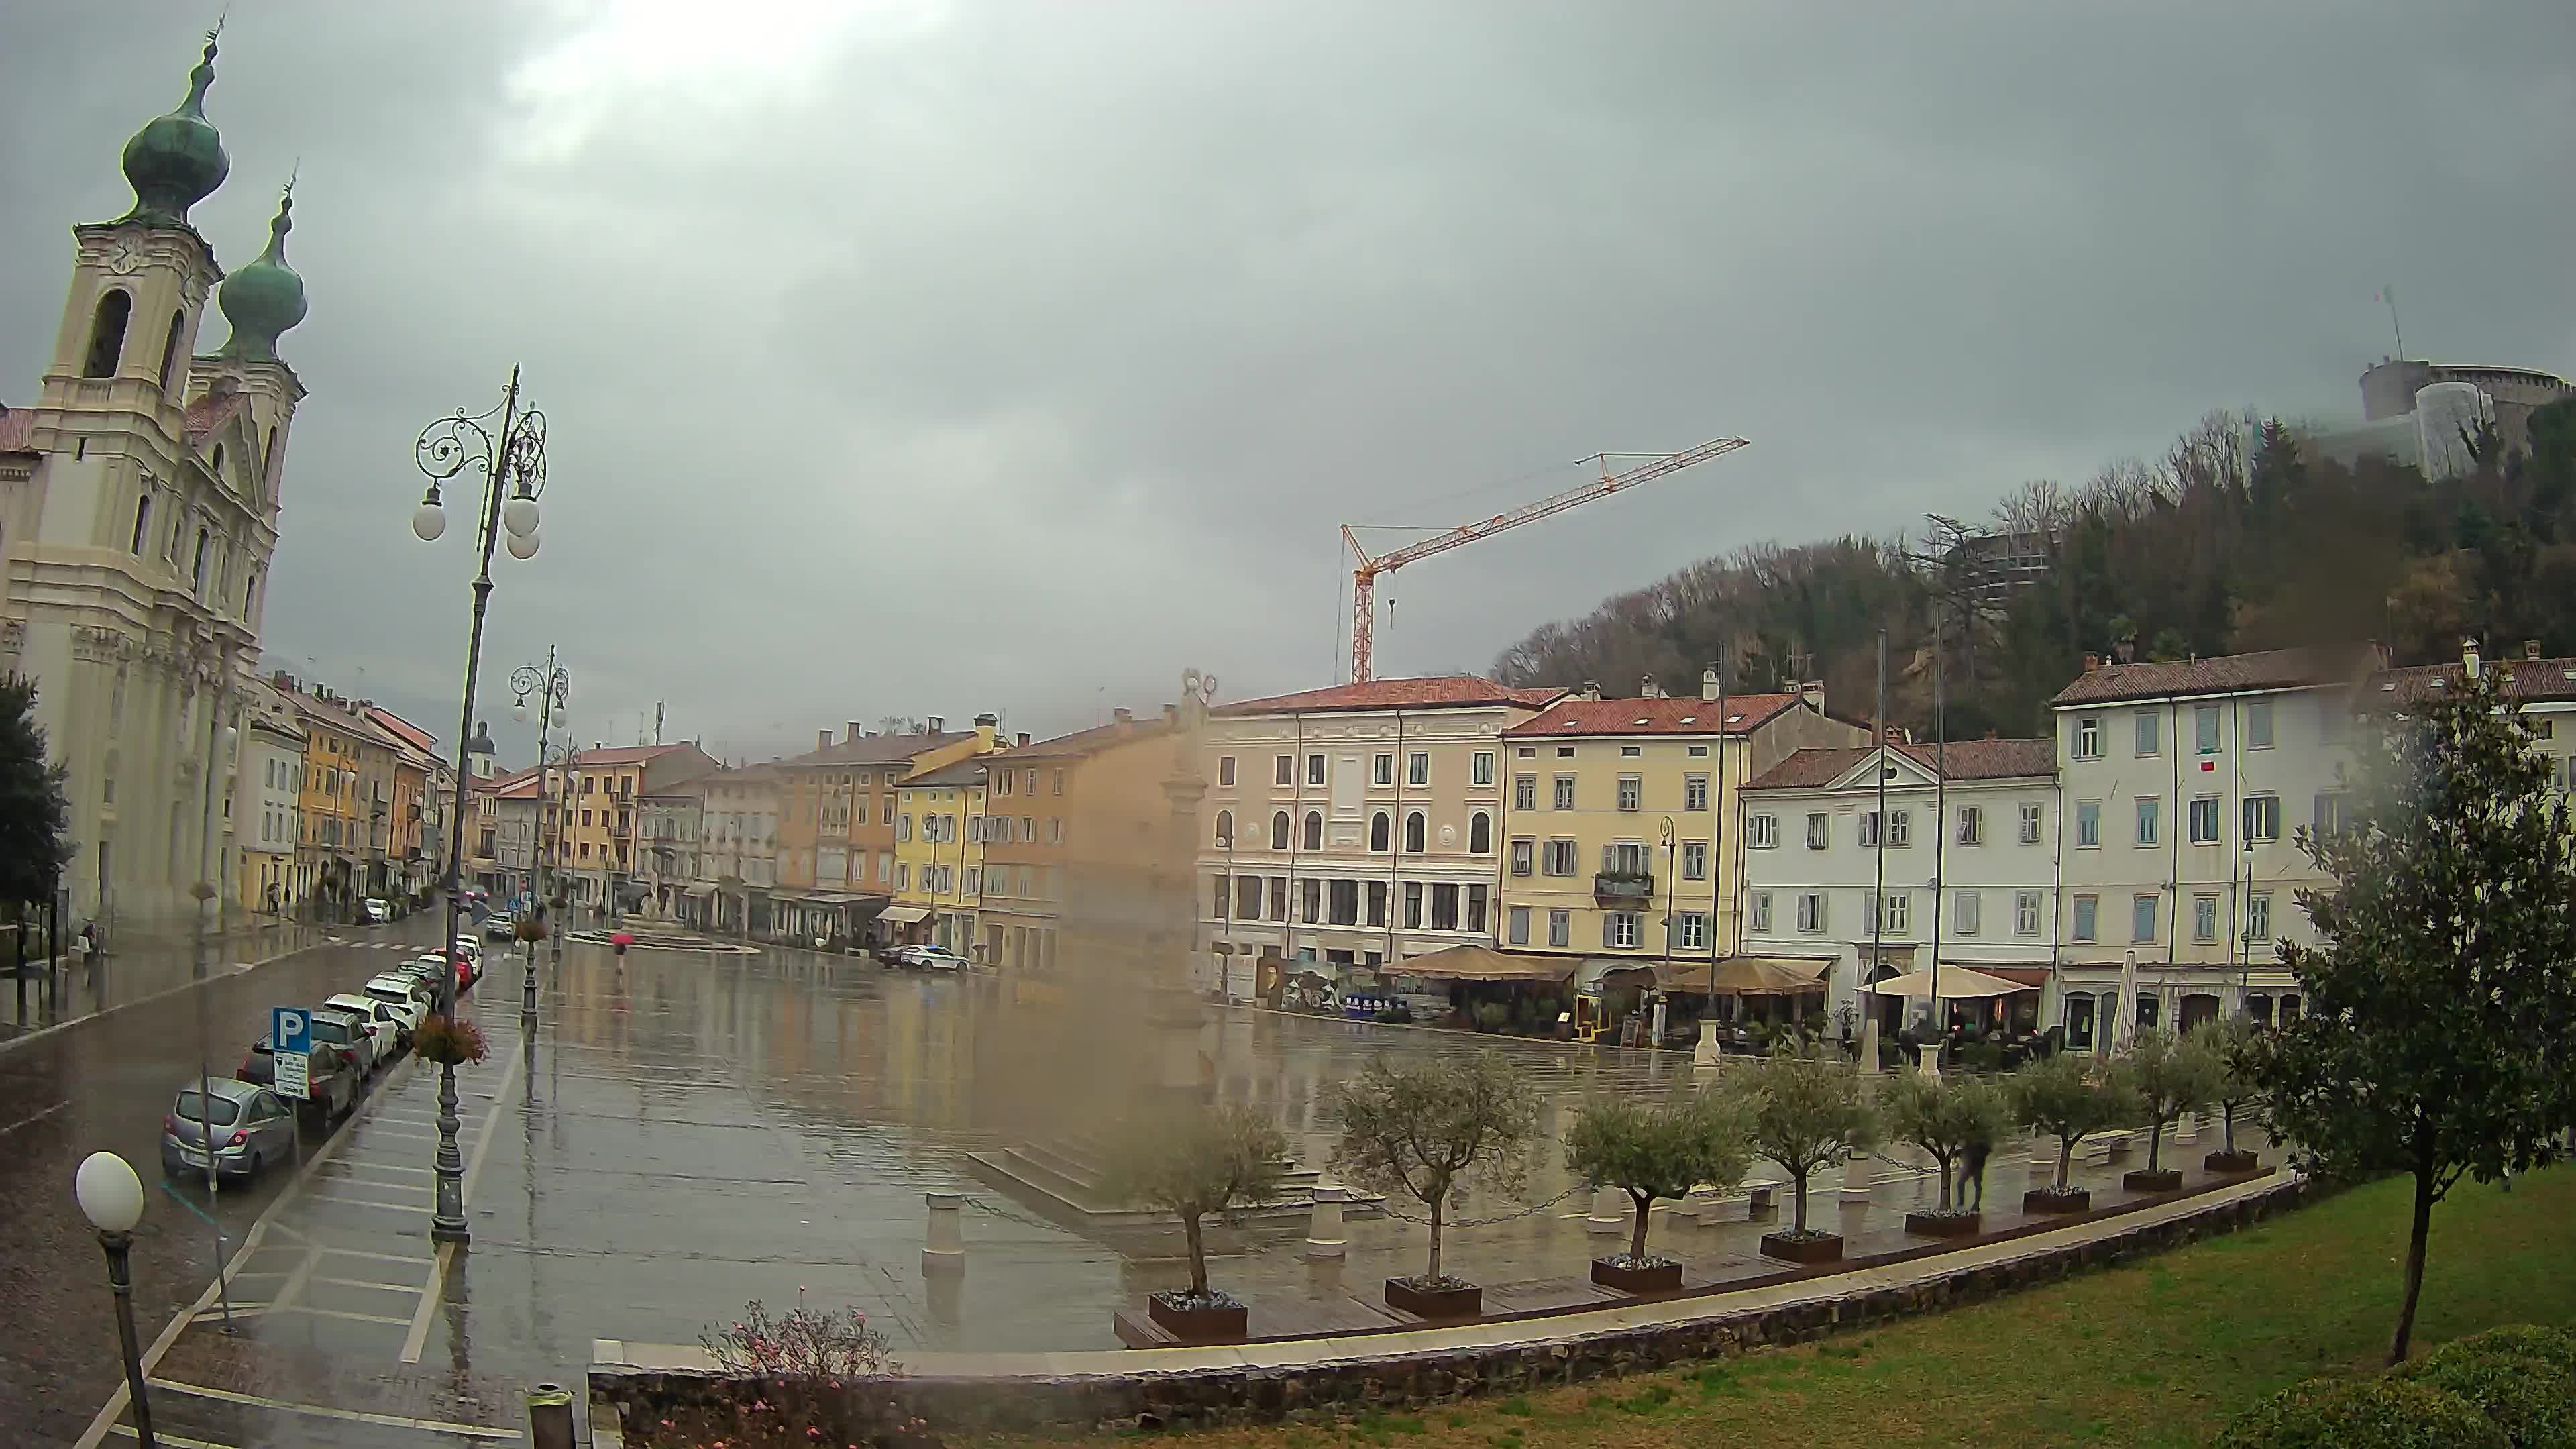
(171,1439)
(105,1421)
(355,1416)
(366,1283)
(437,1285)
(334,1313)
(39,1117)
(361,1201)
(379,1257)
(294,1283)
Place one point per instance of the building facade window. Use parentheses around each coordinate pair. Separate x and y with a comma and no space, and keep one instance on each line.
(1762,832)
(1518,919)
(1694,860)
(2262,817)
(1972,825)
(2150,733)
(2150,820)
(2204,729)
(2204,918)
(2258,916)
(1694,792)
(1694,931)
(1820,830)
(2258,724)
(1565,792)
(2088,737)
(1560,928)
(1416,829)
(1314,769)
(2142,918)
(2087,923)
(1757,910)
(1524,856)
(1967,912)
(1480,834)
(1314,830)
(1525,792)
(1811,912)
(1417,769)
(1482,770)
(1284,770)
(1225,770)
(1382,768)
(1378,832)
(1278,830)
(2088,823)
(1560,857)
(1619,929)
(1632,792)
(2025,913)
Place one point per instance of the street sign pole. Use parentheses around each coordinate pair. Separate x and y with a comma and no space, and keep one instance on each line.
(290,1036)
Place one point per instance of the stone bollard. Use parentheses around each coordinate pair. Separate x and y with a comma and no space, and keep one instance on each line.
(2043,1154)
(1856,1178)
(1869,1047)
(1324,1236)
(1707,1053)
(550,1417)
(2187,1130)
(1929,1060)
(1610,1212)
(946,1249)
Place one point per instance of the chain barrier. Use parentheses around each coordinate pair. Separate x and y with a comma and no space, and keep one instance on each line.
(1006,1215)
(1425,1221)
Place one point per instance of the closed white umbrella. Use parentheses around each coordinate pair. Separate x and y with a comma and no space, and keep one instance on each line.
(2125,1025)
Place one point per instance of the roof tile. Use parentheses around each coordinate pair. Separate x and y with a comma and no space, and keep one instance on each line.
(2525,679)
(1666,716)
(1439,691)
(1962,759)
(2217,674)
(17,430)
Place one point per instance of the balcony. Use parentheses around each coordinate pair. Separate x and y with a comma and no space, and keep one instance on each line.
(1623,887)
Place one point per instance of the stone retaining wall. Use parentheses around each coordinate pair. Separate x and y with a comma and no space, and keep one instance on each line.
(1396,1379)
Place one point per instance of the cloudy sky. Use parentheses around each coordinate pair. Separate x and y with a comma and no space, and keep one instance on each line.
(927,358)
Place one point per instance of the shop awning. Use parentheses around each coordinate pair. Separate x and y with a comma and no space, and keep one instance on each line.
(1758,976)
(1481,963)
(1957,982)
(2031,978)
(700,890)
(904,915)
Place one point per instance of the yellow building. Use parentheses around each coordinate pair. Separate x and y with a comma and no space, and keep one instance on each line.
(939,854)
(1612,816)
(591,826)
(332,851)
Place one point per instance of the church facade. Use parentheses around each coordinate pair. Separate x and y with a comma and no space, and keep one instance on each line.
(139,502)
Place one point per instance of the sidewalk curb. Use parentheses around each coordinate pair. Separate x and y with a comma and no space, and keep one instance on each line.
(15,1042)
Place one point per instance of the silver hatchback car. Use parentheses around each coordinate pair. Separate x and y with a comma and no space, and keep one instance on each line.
(252,1129)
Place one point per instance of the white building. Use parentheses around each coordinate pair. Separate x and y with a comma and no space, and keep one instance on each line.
(1968,865)
(2183,786)
(268,811)
(138,513)
(1357,825)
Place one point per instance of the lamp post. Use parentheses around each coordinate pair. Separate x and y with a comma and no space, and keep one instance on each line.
(513,464)
(111,1197)
(552,686)
(1672,916)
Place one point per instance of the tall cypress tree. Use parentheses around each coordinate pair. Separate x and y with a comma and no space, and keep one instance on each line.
(2442,995)
(35,814)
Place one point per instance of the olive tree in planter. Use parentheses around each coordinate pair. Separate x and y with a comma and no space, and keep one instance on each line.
(1658,1151)
(2240,1044)
(1426,1129)
(1192,1163)
(1810,1115)
(1950,1118)
(2066,1097)
(2169,1075)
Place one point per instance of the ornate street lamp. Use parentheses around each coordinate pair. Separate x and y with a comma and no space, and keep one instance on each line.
(111,1197)
(512,461)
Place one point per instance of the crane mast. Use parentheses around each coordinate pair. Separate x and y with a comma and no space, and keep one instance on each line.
(1365,575)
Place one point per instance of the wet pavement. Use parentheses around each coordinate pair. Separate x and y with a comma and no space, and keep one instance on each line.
(687,1131)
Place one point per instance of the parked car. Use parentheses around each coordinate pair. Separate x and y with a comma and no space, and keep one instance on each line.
(331,1077)
(936,958)
(356,1031)
(399,1022)
(252,1129)
(376,910)
(400,990)
(500,926)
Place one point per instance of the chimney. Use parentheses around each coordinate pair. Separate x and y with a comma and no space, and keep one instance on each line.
(2092,663)
(1813,692)
(872,734)
(2125,649)
(1591,690)
(2469,657)
(853,728)
(1896,734)
(1020,740)
(1994,734)
(934,726)
(1172,715)
(1124,717)
(1708,682)
(1647,688)
(2531,649)
(822,739)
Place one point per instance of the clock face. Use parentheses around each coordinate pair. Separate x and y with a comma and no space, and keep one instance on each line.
(124,256)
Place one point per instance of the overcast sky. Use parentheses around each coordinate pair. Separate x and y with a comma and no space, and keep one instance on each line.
(929,358)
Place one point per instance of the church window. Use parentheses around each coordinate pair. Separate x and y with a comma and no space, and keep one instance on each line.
(217,466)
(142,521)
(107,333)
(170,350)
(199,571)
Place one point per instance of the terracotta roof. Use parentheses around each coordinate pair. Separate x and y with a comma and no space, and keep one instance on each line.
(17,430)
(2218,674)
(1439,691)
(623,754)
(1099,737)
(210,412)
(876,749)
(2525,679)
(747,775)
(968,772)
(1744,712)
(411,734)
(1963,760)
(519,785)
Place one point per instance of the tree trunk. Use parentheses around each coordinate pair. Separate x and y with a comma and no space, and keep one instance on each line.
(2227,1121)
(2417,1234)
(1198,1253)
(1435,1237)
(1945,1182)
(1800,1224)
(1637,1239)
(2065,1160)
(2156,1145)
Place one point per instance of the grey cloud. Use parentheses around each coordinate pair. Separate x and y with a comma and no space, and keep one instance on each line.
(1013,355)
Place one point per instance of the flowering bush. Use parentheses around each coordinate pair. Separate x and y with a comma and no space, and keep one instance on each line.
(529,928)
(797,1378)
(448,1042)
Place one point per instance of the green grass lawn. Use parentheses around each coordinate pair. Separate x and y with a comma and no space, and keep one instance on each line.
(2160,1352)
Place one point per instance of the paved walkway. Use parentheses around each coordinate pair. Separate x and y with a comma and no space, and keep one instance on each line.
(142,970)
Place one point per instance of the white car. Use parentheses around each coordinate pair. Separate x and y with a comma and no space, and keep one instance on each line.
(470,949)
(401,991)
(399,1021)
(937,958)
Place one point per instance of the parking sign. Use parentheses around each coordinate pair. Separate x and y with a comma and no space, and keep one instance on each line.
(290,1035)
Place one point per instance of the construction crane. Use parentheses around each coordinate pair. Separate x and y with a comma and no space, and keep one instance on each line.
(1364,577)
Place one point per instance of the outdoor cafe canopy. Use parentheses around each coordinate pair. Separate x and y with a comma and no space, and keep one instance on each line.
(1480,963)
(1957,982)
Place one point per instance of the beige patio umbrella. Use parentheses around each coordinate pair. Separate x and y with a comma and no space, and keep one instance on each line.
(1957,983)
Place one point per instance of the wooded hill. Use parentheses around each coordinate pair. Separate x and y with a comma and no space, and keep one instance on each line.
(2237,538)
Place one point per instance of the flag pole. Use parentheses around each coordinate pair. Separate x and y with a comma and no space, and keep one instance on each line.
(2389,296)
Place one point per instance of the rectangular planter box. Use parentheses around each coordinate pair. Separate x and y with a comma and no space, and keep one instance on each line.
(2045,1200)
(2231,1162)
(1828,1249)
(1945,1225)
(1464,1302)
(2163,1179)
(1201,1325)
(1654,1278)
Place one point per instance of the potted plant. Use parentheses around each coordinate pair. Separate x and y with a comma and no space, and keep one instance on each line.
(2059,1096)
(1193,1163)
(2240,1044)
(528,930)
(1659,1151)
(1425,1129)
(1950,1118)
(2169,1075)
(1810,1115)
(447,1042)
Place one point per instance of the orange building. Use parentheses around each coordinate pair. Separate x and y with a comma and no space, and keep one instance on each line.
(1078,841)
(836,811)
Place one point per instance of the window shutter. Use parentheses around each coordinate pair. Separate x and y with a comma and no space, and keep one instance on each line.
(1605,929)
(1606,858)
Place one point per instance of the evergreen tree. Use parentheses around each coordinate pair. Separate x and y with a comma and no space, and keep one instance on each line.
(2441,1002)
(35,814)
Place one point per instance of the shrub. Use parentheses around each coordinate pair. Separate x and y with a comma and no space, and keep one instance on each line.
(2531,1399)
(1199,1162)
(803,1366)
(1492,1015)
(1660,1151)
(1812,1116)
(1948,1117)
(2170,1075)
(2059,1097)
(1423,1128)
(448,1042)
(2555,1346)
(2372,1413)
